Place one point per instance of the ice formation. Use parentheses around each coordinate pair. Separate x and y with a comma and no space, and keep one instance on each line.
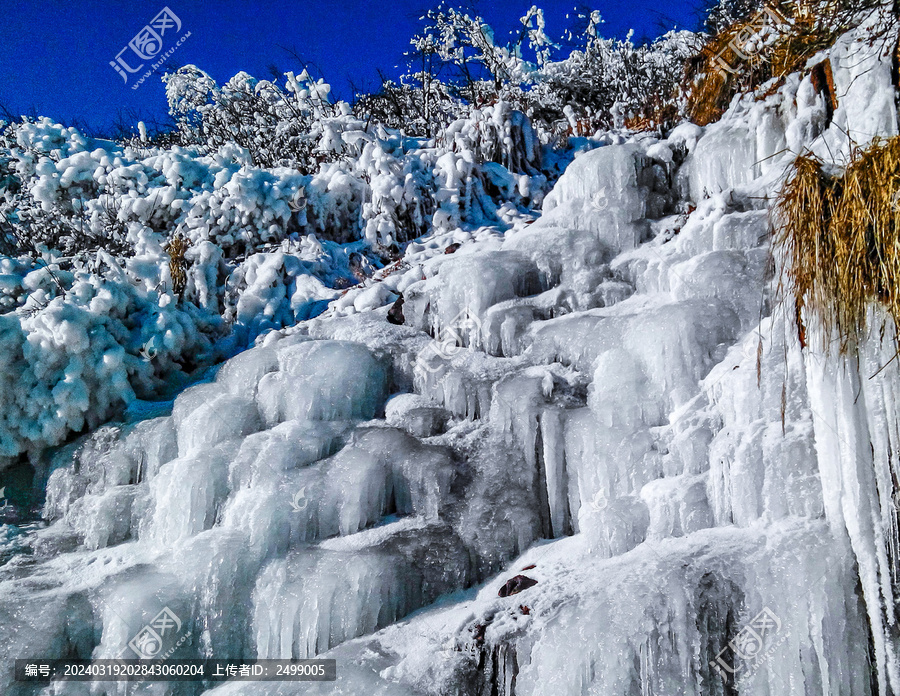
(610,401)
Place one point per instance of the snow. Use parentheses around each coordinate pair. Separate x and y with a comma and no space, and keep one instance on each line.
(609,400)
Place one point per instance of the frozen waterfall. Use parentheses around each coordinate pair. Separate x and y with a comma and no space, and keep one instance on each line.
(610,401)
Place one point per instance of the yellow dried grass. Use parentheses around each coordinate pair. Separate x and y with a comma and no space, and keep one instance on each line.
(711,89)
(176,249)
(841,239)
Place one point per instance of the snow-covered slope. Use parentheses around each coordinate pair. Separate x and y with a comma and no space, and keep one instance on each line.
(610,401)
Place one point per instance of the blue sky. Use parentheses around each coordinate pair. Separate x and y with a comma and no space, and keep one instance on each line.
(54,55)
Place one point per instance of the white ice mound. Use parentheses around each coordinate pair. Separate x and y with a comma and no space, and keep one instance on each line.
(575,274)
(450,303)
(600,192)
(324,380)
(415,414)
(725,158)
(318,597)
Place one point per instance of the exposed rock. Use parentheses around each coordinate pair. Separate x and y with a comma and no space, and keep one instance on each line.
(516,585)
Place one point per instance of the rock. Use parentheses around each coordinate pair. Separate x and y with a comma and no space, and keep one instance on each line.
(395,314)
(452,248)
(516,585)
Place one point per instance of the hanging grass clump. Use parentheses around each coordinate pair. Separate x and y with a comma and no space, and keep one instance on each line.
(840,234)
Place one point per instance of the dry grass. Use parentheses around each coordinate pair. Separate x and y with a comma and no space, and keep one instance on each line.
(710,95)
(656,115)
(176,249)
(796,47)
(841,237)
(711,90)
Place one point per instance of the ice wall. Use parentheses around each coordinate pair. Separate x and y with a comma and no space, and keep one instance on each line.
(611,402)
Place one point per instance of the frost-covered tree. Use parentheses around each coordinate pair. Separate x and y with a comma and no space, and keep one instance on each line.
(581,91)
(606,82)
(277,125)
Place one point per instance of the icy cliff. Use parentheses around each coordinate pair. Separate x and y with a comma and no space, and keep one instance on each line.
(611,401)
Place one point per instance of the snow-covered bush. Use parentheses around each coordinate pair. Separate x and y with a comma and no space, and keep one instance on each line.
(497,134)
(73,360)
(296,125)
(753,43)
(609,82)
(417,104)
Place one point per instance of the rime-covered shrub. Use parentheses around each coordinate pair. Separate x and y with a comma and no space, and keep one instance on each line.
(76,354)
(295,125)
(498,134)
